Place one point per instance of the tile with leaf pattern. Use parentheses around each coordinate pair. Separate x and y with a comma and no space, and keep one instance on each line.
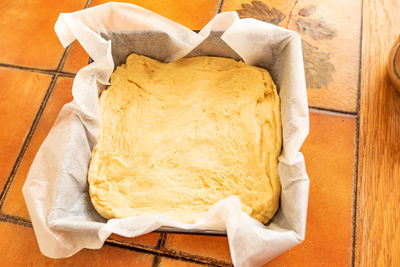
(331,44)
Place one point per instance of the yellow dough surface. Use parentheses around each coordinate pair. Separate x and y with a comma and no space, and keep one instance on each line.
(178,137)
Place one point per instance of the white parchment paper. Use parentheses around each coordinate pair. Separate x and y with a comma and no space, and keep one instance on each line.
(56,190)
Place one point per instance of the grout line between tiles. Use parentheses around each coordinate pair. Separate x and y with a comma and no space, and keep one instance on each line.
(179,255)
(42,71)
(291,13)
(66,74)
(162,240)
(219,6)
(27,140)
(193,258)
(160,244)
(196,261)
(356,164)
(333,112)
(15,220)
(355,190)
(142,249)
(87,4)
(156,260)
(64,58)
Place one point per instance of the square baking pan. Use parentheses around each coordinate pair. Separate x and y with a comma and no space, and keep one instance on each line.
(156,45)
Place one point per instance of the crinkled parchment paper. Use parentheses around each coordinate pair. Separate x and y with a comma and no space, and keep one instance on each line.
(56,190)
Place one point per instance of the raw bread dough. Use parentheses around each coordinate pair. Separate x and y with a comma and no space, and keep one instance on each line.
(178,137)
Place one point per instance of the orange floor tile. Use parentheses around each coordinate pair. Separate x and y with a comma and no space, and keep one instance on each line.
(192,14)
(21,93)
(215,247)
(331,48)
(14,203)
(330,166)
(168,262)
(23,251)
(29,30)
(76,59)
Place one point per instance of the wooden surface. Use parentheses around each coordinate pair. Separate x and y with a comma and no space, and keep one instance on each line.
(378,211)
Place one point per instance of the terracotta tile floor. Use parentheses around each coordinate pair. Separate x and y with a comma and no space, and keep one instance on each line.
(23,251)
(37,77)
(28,28)
(215,247)
(24,99)
(166,262)
(76,59)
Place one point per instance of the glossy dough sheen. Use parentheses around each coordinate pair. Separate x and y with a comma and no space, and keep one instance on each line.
(178,137)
